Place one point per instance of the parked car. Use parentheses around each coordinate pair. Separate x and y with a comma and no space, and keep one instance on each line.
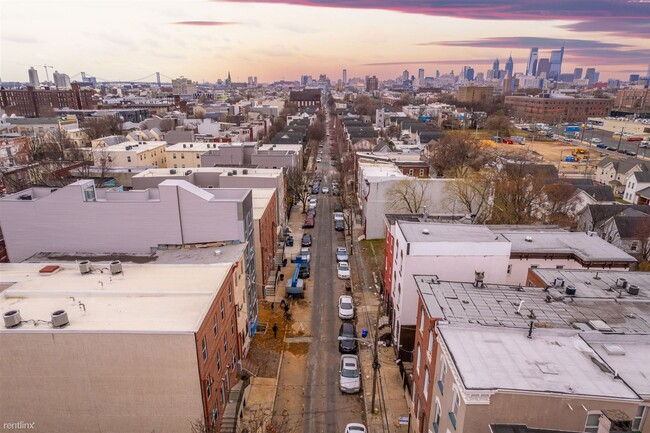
(347,338)
(596,140)
(303,272)
(339,225)
(319,159)
(306,240)
(305,253)
(341,254)
(349,374)
(630,153)
(336,191)
(309,222)
(326,190)
(601,146)
(346,307)
(343,270)
(311,211)
(315,190)
(355,427)
(338,207)
(611,148)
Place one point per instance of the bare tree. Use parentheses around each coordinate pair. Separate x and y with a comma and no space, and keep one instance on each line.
(97,127)
(265,421)
(297,186)
(472,191)
(366,106)
(200,426)
(166,124)
(316,131)
(289,109)
(499,123)
(458,149)
(408,195)
(199,113)
(519,197)
(560,204)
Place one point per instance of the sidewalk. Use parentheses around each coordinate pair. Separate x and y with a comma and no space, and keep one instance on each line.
(391,397)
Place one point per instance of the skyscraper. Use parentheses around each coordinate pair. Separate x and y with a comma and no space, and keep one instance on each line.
(405,75)
(421,77)
(495,65)
(437,73)
(509,67)
(372,84)
(345,76)
(531,67)
(469,74)
(556,63)
(591,75)
(577,73)
(33,77)
(543,68)
(61,81)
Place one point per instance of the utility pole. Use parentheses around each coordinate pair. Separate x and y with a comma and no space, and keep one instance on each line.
(620,136)
(375,361)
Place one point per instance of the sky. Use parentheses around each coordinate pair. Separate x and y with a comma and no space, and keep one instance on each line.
(284,39)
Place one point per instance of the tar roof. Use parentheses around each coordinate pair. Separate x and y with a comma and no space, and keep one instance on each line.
(415,232)
(553,360)
(501,305)
(143,298)
(599,284)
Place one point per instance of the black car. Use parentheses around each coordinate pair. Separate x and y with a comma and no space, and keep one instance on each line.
(303,272)
(306,240)
(339,226)
(338,207)
(347,338)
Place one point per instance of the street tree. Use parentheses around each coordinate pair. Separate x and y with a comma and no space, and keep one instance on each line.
(458,149)
(560,204)
(408,195)
(499,123)
(297,186)
(316,131)
(518,196)
(364,105)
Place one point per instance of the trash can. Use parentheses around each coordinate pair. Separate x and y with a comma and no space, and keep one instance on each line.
(281,277)
(284,263)
(364,333)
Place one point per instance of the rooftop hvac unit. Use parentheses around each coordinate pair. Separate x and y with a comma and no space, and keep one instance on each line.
(570,290)
(425,231)
(558,282)
(191,144)
(12,319)
(188,172)
(115,267)
(528,238)
(129,147)
(234,172)
(244,171)
(184,145)
(60,319)
(25,197)
(479,276)
(230,173)
(621,283)
(172,171)
(84,267)
(633,289)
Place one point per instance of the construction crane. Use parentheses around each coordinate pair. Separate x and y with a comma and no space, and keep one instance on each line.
(47,73)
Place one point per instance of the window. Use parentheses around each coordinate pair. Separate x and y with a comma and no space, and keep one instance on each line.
(230,294)
(421,172)
(232,327)
(421,320)
(208,388)
(173,156)
(182,156)
(214,325)
(218,361)
(204,349)
(417,362)
(198,156)
(559,267)
(410,172)
(426,383)
(634,245)
(223,311)
(441,376)
(225,344)
(637,422)
(591,425)
(215,414)
(509,269)
(223,394)
(430,344)
(436,416)
(534,266)
(128,159)
(455,405)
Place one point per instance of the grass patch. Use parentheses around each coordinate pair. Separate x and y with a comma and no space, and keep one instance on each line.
(372,252)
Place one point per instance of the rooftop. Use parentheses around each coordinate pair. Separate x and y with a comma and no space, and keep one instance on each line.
(235,171)
(143,298)
(555,361)
(261,200)
(516,307)
(441,232)
(131,146)
(199,146)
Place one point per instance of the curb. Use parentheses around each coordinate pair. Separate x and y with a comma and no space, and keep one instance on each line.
(277,379)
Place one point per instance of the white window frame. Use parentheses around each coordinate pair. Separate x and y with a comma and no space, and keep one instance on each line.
(426,382)
(430,345)
(215,328)
(443,370)
(592,428)
(455,401)
(204,349)
(437,413)
(421,320)
(419,358)
(639,418)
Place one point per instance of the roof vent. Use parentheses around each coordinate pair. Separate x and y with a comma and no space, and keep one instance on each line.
(558,282)
(600,325)
(84,267)
(25,197)
(528,239)
(49,269)
(479,276)
(621,283)
(244,171)
(633,289)
(115,267)
(172,171)
(12,319)
(217,252)
(570,290)
(614,349)
(188,172)
(425,231)
(60,319)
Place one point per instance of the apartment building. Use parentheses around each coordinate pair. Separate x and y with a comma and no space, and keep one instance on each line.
(79,218)
(188,155)
(131,154)
(502,254)
(475,94)
(117,347)
(557,109)
(488,354)
(265,233)
(278,156)
(222,177)
(33,102)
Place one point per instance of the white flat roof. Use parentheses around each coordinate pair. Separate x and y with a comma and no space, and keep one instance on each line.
(134,146)
(144,298)
(261,200)
(556,361)
(197,146)
(257,172)
(414,232)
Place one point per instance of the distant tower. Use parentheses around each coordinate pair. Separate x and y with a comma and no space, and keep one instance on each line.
(577,73)
(555,68)
(33,77)
(228,80)
(405,75)
(437,73)
(495,65)
(531,67)
(469,74)
(345,76)
(158,78)
(421,77)
(509,67)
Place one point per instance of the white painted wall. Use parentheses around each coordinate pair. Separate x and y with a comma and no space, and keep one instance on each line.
(88,382)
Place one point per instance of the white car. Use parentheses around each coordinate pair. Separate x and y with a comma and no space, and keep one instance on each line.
(596,140)
(346,307)
(343,270)
(325,190)
(341,254)
(319,159)
(355,427)
(305,253)
(349,374)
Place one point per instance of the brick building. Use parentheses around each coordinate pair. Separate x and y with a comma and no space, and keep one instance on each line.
(306,98)
(32,102)
(475,94)
(633,99)
(557,110)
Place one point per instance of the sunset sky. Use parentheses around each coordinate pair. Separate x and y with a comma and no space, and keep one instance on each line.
(203,40)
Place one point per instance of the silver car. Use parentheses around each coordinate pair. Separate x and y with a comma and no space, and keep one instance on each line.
(349,374)
(341,254)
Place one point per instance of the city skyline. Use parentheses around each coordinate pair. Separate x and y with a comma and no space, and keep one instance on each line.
(275,40)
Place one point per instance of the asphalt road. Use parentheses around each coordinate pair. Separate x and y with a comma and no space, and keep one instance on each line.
(326,409)
(608,140)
